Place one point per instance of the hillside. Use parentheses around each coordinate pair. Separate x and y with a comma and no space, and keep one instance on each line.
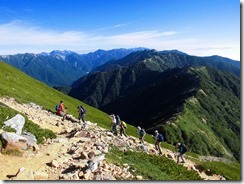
(51,159)
(26,89)
(164,104)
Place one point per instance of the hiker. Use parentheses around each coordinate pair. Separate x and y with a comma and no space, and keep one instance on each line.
(122,128)
(112,116)
(142,133)
(118,122)
(82,113)
(182,149)
(60,110)
(159,138)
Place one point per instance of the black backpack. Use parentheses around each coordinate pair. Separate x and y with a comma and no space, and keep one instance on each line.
(142,132)
(160,137)
(184,148)
(82,110)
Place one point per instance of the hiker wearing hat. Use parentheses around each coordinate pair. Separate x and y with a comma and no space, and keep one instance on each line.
(159,138)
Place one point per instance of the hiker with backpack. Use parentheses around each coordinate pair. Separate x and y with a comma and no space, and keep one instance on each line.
(142,133)
(122,128)
(159,138)
(182,149)
(81,116)
(112,116)
(118,122)
(60,110)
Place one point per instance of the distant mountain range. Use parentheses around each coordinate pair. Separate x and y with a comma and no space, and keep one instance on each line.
(62,68)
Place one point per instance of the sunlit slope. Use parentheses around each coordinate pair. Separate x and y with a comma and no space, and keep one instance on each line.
(24,89)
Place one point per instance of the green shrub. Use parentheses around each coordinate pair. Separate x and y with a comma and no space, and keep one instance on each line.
(151,167)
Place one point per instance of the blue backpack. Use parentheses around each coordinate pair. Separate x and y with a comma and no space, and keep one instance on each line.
(57,107)
(160,137)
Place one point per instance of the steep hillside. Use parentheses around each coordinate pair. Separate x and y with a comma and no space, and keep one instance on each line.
(209,122)
(23,88)
(154,99)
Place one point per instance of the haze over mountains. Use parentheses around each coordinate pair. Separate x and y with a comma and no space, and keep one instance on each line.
(191,99)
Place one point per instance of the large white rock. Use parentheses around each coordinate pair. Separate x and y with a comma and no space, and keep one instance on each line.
(17,123)
(11,137)
(31,139)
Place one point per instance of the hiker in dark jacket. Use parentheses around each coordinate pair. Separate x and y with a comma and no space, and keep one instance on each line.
(181,151)
(142,133)
(81,116)
(159,138)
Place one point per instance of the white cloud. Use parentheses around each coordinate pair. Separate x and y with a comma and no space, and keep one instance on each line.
(19,37)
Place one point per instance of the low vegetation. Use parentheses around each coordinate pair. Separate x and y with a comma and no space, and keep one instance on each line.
(149,166)
(7,113)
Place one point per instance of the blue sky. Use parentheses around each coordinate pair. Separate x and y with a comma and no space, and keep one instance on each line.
(197,27)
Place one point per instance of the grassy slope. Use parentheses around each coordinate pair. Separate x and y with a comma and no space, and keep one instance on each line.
(23,88)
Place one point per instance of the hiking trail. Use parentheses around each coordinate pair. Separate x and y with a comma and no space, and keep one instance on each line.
(61,158)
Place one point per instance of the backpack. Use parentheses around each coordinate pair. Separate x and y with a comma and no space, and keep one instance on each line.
(118,122)
(123,124)
(184,148)
(82,110)
(160,137)
(142,132)
(57,107)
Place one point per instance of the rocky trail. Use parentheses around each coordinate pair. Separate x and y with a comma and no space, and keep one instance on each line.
(67,156)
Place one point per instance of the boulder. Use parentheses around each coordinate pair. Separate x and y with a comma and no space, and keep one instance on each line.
(11,140)
(31,139)
(17,123)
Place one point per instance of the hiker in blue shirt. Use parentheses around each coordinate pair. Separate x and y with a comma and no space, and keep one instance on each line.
(159,138)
